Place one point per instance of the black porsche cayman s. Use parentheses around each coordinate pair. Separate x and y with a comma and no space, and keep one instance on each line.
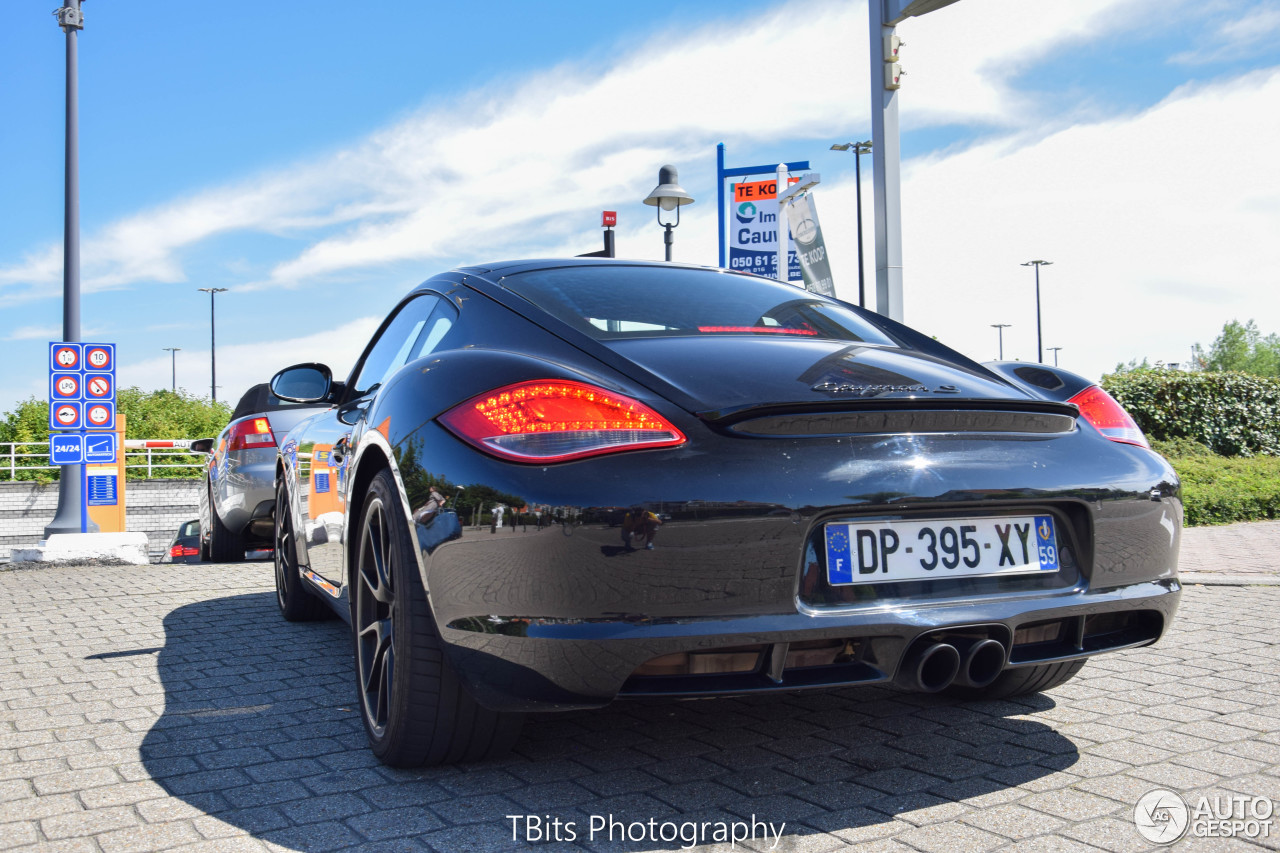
(556,484)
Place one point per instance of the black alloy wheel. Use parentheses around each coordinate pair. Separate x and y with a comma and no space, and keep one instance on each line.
(297,603)
(414,708)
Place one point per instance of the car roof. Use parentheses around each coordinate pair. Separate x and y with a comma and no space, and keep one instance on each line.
(500,268)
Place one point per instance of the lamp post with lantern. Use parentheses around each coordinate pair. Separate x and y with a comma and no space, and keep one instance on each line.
(668,195)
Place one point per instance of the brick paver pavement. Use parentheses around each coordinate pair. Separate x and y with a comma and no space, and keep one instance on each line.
(170,708)
(1248,551)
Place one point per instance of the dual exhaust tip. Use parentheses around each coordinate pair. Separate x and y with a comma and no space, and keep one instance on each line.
(968,662)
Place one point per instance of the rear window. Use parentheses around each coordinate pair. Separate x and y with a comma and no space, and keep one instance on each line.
(616,302)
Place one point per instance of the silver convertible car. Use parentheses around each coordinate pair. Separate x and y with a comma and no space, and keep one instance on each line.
(842,499)
(238,500)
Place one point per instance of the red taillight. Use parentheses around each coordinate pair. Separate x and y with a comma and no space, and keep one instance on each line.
(252,433)
(183,551)
(1108,417)
(553,421)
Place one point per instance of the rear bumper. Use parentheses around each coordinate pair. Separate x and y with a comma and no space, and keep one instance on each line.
(563,615)
(247,485)
(543,666)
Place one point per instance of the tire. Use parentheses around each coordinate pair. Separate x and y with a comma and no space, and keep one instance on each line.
(414,708)
(204,540)
(297,603)
(224,545)
(1022,680)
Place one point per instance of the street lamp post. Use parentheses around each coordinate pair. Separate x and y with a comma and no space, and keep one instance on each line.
(1000,327)
(213,339)
(885,15)
(858,148)
(1054,350)
(71,516)
(173,352)
(668,195)
(1039,340)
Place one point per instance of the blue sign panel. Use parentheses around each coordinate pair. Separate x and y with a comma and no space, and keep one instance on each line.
(65,356)
(100,414)
(66,449)
(66,415)
(102,490)
(100,447)
(100,358)
(99,386)
(66,386)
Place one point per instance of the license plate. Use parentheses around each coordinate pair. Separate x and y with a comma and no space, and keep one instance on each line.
(888,551)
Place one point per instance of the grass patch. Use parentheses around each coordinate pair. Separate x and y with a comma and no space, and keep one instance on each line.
(1223,489)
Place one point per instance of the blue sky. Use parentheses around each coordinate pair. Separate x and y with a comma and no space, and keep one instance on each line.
(319,162)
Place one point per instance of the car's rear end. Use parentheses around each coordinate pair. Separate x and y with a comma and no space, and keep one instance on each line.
(242,470)
(849,502)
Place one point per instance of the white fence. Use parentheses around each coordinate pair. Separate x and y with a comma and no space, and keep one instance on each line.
(159,458)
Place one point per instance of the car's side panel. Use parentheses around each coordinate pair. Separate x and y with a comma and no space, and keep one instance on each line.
(321,483)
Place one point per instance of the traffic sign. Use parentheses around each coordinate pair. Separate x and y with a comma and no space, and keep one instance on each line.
(100,357)
(67,449)
(64,356)
(66,416)
(64,386)
(100,415)
(100,447)
(99,386)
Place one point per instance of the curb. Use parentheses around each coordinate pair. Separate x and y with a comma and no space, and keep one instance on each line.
(1215,579)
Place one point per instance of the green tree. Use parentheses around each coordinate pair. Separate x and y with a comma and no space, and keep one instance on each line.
(149,414)
(1242,349)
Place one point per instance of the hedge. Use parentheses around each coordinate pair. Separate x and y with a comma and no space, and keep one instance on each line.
(1217,490)
(1234,414)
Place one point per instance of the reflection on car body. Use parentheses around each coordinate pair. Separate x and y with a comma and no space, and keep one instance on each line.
(843,501)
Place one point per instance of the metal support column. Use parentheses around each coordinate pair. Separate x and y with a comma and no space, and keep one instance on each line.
(71,516)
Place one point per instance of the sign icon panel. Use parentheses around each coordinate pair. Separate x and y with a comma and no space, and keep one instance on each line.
(100,357)
(100,415)
(67,449)
(65,416)
(64,356)
(64,386)
(99,386)
(100,447)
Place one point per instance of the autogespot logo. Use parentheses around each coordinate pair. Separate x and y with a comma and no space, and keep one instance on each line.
(746,212)
(1161,816)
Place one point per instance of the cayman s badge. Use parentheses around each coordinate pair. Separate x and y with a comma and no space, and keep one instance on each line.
(867,390)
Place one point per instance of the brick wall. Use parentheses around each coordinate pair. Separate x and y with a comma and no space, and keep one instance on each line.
(154,507)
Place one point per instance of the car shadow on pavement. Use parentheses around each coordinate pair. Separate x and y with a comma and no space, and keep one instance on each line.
(261,734)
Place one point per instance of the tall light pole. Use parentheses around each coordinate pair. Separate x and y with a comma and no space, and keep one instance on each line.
(213,340)
(1039,341)
(668,195)
(886,77)
(173,352)
(71,516)
(1000,327)
(1054,350)
(858,148)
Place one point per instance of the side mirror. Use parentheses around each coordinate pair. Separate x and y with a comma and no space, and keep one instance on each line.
(202,445)
(303,383)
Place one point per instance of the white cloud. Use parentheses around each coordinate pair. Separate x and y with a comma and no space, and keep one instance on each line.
(243,365)
(35,333)
(1151,251)
(508,170)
